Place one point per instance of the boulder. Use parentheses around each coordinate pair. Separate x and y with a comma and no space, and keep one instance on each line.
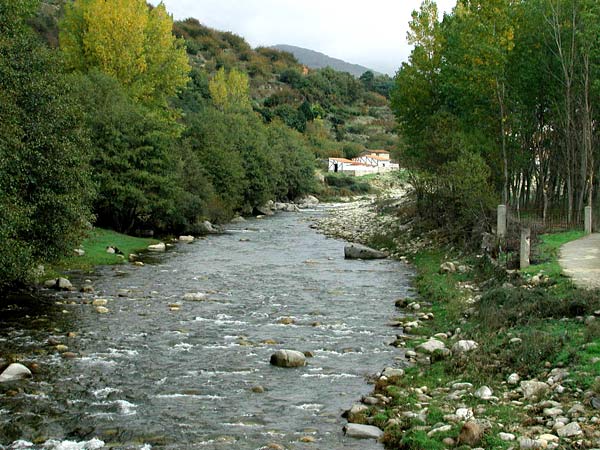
(238,219)
(533,388)
(102,310)
(63,284)
(358,431)
(356,409)
(160,247)
(571,430)
(204,228)
(307,201)
(14,372)
(194,296)
(358,251)
(264,210)
(464,346)
(431,346)
(390,372)
(288,358)
(186,238)
(50,283)
(483,393)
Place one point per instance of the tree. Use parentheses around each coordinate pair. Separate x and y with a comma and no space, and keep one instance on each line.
(45,189)
(134,157)
(128,41)
(230,91)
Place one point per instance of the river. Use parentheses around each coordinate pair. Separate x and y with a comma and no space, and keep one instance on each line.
(147,377)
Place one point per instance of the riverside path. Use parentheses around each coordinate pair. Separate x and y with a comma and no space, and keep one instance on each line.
(580,260)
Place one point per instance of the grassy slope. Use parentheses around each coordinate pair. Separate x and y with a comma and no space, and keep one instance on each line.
(534,315)
(95,251)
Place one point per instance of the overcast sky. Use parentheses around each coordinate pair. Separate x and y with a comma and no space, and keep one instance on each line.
(367,32)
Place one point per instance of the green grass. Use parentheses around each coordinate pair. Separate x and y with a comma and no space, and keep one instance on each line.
(95,251)
(545,318)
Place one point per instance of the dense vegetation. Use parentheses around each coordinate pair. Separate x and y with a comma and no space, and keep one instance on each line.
(498,104)
(113,115)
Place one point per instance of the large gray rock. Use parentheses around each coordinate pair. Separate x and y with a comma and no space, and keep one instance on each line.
(534,388)
(358,251)
(359,431)
(464,346)
(307,201)
(288,358)
(431,346)
(14,372)
(160,247)
(63,284)
(571,430)
(265,210)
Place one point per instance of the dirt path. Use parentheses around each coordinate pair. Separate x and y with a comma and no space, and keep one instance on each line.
(580,260)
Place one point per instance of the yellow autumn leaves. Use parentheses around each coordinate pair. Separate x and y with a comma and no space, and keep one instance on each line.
(128,40)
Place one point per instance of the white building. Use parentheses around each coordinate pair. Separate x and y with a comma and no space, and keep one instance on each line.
(370,161)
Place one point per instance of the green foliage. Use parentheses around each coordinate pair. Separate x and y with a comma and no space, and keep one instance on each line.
(128,41)
(230,90)
(44,183)
(134,157)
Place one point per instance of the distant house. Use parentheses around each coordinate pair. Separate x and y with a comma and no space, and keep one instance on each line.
(349,167)
(370,161)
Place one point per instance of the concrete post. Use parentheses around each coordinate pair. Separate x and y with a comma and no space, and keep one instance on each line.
(501,225)
(588,220)
(525,247)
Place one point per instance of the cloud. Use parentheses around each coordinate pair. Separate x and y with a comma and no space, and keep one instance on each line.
(371,33)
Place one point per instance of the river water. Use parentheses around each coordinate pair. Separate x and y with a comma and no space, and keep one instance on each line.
(147,377)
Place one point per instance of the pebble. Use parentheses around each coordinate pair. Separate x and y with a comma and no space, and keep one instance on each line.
(507,437)
(102,310)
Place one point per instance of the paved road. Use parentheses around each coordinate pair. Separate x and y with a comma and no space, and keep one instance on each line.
(580,260)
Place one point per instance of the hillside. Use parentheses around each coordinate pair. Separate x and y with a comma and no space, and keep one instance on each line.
(339,113)
(317,60)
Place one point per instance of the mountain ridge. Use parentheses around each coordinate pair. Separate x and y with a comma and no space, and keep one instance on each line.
(317,60)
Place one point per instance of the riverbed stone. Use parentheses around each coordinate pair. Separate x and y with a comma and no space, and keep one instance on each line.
(484,393)
(533,388)
(160,247)
(464,346)
(431,346)
(390,372)
(288,358)
(194,296)
(14,372)
(570,430)
(187,238)
(359,431)
(359,251)
(102,310)
(63,284)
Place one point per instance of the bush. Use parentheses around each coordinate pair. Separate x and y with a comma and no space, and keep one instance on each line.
(348,183)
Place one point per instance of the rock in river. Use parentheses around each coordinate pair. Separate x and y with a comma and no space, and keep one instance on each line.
(15,371)
(358,431)
(161,247)
(358,251)
(288,358)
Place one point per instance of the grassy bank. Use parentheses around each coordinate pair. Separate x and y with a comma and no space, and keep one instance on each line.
(535,324)
(94,246)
